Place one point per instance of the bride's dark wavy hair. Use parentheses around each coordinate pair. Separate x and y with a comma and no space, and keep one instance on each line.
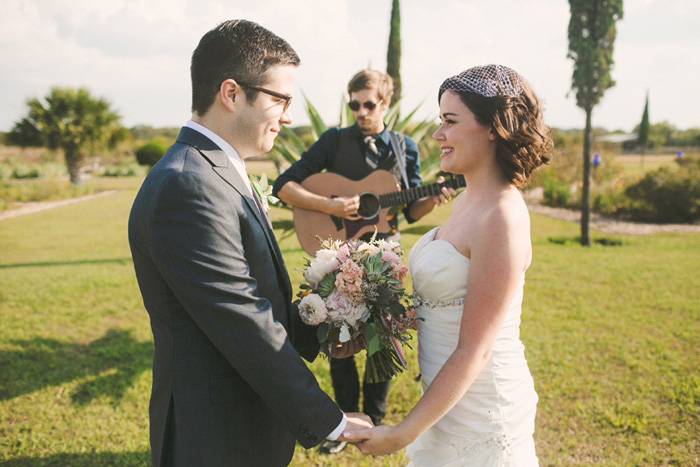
(524,141)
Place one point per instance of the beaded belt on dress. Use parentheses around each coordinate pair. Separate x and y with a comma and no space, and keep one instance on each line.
(420,301)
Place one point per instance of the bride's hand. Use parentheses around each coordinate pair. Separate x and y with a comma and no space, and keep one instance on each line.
(382,440)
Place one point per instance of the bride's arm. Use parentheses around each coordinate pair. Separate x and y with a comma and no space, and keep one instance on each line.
(500,250)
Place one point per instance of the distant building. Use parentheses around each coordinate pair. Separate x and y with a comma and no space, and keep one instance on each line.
(628,141)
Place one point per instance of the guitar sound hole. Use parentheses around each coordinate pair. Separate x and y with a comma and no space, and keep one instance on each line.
(369,205)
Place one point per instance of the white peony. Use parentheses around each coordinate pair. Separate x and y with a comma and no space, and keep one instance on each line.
(325,261)
(312,310)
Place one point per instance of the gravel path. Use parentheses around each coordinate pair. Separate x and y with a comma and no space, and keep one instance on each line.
(613,226)
(28,208)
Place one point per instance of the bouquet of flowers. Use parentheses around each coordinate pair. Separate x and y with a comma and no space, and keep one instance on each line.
(356,288)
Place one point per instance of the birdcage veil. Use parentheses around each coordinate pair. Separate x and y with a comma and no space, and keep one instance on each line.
(487,81)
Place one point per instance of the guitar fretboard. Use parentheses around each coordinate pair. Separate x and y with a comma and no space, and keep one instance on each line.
(412,194)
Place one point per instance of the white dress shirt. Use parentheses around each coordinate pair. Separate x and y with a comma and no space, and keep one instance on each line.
(239,165)
(233,156)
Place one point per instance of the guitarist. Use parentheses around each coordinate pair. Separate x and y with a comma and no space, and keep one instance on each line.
(355,152)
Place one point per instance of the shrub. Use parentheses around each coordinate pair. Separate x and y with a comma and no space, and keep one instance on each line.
(122,170)
(668,195)
(615,202)
(150,153)
(555,191)
(26,171)
(5,172)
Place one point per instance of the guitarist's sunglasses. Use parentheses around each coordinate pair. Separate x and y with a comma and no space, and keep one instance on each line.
(369,105)
(285,97)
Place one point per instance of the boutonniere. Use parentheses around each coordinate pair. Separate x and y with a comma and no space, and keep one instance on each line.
(264,191)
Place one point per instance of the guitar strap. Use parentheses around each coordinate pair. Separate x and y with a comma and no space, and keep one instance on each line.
(398,146)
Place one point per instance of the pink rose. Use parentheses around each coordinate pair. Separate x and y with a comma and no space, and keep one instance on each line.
(400,272)
(342,309)
(343,253)
(392,258)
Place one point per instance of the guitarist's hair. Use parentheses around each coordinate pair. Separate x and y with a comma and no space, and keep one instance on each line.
(237,49)
(373,79)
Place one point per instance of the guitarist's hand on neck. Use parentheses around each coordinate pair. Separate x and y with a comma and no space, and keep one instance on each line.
(425,205)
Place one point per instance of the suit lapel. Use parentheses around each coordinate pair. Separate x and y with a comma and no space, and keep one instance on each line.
(222,166)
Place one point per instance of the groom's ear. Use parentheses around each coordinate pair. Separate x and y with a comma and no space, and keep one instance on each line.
(230,94)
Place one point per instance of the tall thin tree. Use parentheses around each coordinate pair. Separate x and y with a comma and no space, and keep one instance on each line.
(591,42)
(643,137)
(393,54)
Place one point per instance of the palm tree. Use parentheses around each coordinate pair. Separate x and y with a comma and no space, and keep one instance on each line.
(71,120)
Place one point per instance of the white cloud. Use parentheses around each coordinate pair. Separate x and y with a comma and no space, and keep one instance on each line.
(136,52)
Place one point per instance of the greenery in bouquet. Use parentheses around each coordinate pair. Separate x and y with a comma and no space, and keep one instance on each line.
(355,288)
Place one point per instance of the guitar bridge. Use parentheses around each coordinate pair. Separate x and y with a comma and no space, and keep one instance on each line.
(338,222)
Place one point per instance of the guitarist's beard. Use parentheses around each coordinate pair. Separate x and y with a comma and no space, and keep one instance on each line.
(368,125)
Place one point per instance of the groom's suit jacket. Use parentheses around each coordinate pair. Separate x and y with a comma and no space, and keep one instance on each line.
(229,386)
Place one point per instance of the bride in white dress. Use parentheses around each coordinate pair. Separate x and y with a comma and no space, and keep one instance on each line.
(478,404)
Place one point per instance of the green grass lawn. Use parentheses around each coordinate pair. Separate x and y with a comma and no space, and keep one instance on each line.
(611,334)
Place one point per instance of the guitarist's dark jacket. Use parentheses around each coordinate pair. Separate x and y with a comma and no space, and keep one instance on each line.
(341,151)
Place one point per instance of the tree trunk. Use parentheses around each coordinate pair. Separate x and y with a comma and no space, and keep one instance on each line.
(586,192)
(74,162)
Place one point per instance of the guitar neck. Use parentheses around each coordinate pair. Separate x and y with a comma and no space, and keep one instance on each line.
(412,194)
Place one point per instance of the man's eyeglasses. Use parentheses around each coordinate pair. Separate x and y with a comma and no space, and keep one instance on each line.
(369,105)
(285,97)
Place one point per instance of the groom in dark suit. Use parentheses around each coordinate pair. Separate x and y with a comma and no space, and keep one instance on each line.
(229,385)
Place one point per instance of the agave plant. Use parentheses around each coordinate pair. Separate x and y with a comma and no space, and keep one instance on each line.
(289,147)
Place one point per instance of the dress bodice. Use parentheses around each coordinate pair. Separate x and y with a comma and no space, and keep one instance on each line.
(438,270)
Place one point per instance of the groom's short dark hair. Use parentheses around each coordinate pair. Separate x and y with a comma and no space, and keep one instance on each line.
(237,49)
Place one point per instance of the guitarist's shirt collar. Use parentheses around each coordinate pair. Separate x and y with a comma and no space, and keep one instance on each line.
(383,136)
(382,141)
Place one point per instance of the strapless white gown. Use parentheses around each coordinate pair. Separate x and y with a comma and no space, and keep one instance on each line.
(493,424)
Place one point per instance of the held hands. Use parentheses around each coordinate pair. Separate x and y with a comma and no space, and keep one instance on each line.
(357,422)
(378,441)
(445,195)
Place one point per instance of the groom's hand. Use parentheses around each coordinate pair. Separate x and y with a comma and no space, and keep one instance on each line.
(348,349)
(358,423)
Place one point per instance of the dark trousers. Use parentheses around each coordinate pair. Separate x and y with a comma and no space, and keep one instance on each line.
(346,386)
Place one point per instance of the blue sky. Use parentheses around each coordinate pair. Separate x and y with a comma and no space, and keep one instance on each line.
(135,53)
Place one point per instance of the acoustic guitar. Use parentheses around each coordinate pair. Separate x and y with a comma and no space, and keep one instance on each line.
(379,192)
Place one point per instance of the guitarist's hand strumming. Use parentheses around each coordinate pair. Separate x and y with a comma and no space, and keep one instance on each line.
(344,207)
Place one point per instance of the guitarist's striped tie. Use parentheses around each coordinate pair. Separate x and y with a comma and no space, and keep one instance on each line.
(371,153)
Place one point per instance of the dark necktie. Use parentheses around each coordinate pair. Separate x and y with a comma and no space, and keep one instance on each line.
(371,153)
